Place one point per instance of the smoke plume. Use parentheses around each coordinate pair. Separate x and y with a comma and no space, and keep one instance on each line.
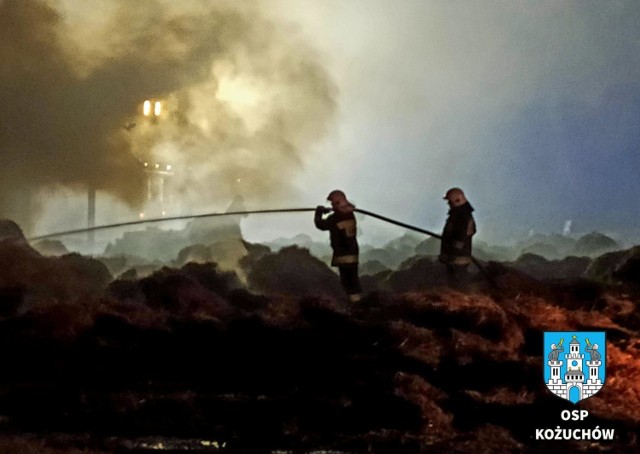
(242,100)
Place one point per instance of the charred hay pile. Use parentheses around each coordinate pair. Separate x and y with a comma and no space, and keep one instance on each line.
(193,354)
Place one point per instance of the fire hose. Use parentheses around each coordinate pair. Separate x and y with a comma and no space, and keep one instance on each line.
(427,232)
(242,213)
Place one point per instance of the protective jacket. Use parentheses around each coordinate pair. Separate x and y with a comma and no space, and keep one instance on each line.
(455,247)
(342,233)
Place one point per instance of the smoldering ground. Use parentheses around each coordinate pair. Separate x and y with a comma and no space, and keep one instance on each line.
(192,353)
(243,100)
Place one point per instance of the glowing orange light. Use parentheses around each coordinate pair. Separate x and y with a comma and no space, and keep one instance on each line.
(146,108)
(157,108)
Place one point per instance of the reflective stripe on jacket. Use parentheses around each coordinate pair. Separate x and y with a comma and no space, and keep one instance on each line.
(342,233)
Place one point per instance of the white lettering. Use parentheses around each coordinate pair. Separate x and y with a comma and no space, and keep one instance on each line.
(575,434)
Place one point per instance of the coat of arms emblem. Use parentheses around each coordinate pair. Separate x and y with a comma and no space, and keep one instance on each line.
(567,372)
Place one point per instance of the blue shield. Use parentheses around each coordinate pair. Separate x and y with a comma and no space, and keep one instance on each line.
(574,363)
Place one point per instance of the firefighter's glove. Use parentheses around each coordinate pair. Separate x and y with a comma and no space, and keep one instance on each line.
(320,210)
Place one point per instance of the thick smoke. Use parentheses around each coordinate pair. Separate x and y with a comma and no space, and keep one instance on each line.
(243,99)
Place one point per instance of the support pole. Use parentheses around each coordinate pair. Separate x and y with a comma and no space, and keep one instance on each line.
(91,216)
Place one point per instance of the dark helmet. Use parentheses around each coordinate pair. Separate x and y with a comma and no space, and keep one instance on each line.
(456,197)
(336,195)
(339,201)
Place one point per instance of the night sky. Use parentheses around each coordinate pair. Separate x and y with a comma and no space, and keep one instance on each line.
(532,107)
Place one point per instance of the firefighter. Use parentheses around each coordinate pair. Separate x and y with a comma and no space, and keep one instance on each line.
(455,247)
(341,224)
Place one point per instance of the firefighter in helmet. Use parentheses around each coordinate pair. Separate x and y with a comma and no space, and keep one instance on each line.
(455,247)
(341,224)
